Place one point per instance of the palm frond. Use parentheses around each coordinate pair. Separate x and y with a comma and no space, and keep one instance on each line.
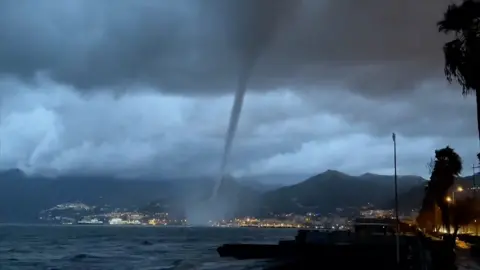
(459,17)
(449,161)
(461,63)
(462,54)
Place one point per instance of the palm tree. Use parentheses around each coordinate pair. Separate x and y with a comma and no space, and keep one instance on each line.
(462,54)
(448,166)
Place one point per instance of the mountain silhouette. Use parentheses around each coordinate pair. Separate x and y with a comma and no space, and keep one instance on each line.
(22,196)
(333,189)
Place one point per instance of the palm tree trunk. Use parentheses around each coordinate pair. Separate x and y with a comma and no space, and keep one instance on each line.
(455,233)
(438,218)
(445,215)
(446,221)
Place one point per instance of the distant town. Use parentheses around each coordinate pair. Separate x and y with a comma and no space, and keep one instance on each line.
(82,214)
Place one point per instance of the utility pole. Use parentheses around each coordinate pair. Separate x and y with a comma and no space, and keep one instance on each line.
(396,197)
(474,184)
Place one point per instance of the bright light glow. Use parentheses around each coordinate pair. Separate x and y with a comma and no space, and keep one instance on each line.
(459,189)
(448,199)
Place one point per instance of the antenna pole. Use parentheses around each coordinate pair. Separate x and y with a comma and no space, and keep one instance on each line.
(397,236)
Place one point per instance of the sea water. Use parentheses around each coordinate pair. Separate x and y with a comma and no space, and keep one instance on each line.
(127,247)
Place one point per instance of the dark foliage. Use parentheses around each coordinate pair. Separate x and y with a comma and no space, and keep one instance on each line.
(462,54)
(446,169)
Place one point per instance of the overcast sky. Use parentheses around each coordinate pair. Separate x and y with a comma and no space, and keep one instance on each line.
(147,86)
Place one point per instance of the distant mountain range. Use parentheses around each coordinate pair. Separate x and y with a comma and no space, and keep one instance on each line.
(333,189)
(22,197)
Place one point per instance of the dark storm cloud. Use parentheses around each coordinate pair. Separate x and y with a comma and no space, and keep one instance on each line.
(190,45)
(311,57)
(47,126)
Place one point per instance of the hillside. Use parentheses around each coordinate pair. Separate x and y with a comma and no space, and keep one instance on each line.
(332,189)
(22,197)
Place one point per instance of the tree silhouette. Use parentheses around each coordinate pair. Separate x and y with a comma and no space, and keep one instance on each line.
(446,168)
(430,165)
(462,54)
(427,218)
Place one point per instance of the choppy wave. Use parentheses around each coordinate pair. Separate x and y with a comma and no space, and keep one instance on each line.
(108,247)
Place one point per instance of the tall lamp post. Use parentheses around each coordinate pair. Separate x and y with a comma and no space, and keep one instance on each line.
(396,196)
(474,184)
(458,189)
(451,199)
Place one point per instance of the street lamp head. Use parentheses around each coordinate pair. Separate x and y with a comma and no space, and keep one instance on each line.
(459,188)
(448,199)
